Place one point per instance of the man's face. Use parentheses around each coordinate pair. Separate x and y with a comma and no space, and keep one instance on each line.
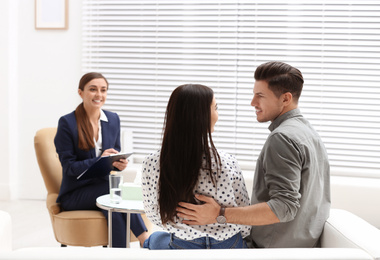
(268,107)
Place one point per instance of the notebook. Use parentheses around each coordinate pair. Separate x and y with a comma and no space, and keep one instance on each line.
(103,166)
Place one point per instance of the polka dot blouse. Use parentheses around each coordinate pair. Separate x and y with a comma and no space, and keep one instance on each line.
(230,191)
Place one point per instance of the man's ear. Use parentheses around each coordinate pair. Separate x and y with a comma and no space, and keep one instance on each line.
(287,98)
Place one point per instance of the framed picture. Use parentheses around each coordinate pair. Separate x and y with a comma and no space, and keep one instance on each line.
(51,14)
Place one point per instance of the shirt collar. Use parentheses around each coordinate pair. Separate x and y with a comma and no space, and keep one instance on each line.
(277,122)
(103,116)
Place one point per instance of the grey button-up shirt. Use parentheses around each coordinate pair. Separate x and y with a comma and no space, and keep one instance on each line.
(293,176)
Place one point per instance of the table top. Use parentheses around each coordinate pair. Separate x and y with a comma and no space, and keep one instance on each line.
(126,206)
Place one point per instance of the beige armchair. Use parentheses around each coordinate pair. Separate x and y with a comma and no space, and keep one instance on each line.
(75,228)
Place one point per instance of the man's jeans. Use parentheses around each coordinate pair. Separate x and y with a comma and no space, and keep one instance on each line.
(164,240)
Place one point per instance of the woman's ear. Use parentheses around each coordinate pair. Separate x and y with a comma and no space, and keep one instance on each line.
(80,92)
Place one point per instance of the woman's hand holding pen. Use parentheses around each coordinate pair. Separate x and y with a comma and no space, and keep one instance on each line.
(109,152)
(120,164)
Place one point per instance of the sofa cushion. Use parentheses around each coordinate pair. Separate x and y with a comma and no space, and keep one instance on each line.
(345,230)
(5,231)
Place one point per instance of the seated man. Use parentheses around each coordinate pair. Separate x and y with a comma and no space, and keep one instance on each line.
(291,192)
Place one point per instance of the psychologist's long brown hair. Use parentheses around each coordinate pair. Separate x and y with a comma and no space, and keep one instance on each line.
(186,140)
(85,131)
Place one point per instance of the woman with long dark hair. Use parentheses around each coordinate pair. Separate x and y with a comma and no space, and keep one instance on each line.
(82,137)
(188,164)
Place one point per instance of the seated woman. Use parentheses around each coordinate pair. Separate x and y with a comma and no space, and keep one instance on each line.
(188,164)
(82,137)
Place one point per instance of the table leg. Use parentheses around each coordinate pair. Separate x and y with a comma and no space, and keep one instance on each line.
(128,229)
(109,228)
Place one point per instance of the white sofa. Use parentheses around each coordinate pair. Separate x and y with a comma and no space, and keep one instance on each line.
(5,232)
(345,236)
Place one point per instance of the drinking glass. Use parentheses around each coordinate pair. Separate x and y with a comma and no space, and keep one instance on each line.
(116,180)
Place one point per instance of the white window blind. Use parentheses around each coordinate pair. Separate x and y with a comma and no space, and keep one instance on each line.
(148,48)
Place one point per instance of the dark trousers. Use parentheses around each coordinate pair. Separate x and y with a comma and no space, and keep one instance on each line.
(85,199)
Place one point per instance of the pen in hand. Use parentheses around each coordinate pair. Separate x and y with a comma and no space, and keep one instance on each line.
(108,151)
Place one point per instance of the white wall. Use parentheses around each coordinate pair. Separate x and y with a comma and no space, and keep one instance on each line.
(40,71)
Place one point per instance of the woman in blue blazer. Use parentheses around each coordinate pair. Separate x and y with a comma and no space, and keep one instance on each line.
(82,137)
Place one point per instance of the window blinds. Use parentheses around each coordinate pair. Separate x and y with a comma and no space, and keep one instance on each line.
(148,48)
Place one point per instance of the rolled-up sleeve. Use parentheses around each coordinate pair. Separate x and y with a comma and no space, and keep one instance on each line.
(283,164)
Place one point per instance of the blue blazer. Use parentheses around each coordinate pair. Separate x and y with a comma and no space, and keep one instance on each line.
(74,160)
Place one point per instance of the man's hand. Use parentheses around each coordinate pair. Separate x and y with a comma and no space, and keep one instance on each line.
(199,214)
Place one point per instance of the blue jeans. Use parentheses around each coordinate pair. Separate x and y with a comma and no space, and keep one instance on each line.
(164,240)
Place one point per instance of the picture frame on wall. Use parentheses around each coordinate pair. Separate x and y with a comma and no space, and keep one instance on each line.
(51,14)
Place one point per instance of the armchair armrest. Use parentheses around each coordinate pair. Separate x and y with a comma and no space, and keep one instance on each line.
(346,230)
(52,205)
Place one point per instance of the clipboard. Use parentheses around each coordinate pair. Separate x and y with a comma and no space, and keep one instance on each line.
(103,166)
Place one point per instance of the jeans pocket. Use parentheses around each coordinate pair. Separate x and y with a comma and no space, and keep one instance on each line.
(173,245)
(177,243)
(235,241)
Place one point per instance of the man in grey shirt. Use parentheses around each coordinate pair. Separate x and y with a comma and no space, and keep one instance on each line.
(291,191)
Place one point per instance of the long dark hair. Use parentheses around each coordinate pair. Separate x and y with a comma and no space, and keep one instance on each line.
(186,140)
(85,130)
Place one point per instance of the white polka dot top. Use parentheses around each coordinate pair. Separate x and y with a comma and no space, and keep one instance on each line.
(230,191)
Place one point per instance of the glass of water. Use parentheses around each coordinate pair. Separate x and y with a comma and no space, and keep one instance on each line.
(116,180)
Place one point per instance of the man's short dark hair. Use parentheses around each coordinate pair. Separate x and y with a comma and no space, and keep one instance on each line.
(281,78)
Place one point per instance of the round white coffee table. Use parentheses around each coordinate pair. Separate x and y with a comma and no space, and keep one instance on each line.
(125,206)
